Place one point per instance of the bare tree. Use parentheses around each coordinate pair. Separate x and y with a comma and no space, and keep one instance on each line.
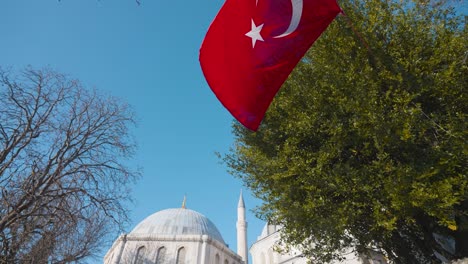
(63,178)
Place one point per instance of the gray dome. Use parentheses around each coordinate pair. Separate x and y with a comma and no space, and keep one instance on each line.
(178,221)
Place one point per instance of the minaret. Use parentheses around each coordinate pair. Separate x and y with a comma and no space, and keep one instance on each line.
(242,230)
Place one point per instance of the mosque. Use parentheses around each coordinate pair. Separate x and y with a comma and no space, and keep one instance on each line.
(184,236)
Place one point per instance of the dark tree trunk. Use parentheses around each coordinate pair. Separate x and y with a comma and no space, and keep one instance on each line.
(461,234)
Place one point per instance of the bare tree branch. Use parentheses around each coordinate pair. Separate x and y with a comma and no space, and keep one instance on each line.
(63,177)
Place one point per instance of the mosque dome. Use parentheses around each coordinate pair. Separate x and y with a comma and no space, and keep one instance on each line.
(268,230)
(178,221)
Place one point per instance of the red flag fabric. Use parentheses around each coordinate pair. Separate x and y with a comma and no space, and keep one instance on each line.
(252,46)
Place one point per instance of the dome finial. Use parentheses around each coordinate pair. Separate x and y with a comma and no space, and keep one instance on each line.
(184,201)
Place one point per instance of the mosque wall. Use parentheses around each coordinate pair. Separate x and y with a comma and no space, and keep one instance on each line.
(154,249)
(186,249)
(262,252)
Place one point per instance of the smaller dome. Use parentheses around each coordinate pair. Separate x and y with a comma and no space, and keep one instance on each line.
(178,221)
(268,230)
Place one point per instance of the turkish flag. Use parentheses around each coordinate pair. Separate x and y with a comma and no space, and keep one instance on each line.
(253,45)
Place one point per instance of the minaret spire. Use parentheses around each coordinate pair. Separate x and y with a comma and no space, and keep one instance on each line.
(241,201)
(241,230)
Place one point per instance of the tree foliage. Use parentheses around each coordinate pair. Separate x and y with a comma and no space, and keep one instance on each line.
(365,145)
(63,178)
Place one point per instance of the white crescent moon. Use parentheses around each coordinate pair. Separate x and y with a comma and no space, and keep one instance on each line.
(296,18)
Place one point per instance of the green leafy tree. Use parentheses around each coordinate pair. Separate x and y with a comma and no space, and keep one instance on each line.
(365,145)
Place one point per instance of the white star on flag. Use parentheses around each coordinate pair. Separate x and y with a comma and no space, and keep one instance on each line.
(254,33)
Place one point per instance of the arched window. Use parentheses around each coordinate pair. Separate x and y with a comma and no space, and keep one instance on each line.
(161,256)
(140,255)
(262,258)
(270,255)
(217,259)
(181,256)
(226,261)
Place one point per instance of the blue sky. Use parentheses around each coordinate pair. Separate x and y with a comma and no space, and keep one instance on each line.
(148,55)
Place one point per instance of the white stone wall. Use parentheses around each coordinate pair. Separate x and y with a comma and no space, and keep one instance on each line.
(263,252)
(198,249)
